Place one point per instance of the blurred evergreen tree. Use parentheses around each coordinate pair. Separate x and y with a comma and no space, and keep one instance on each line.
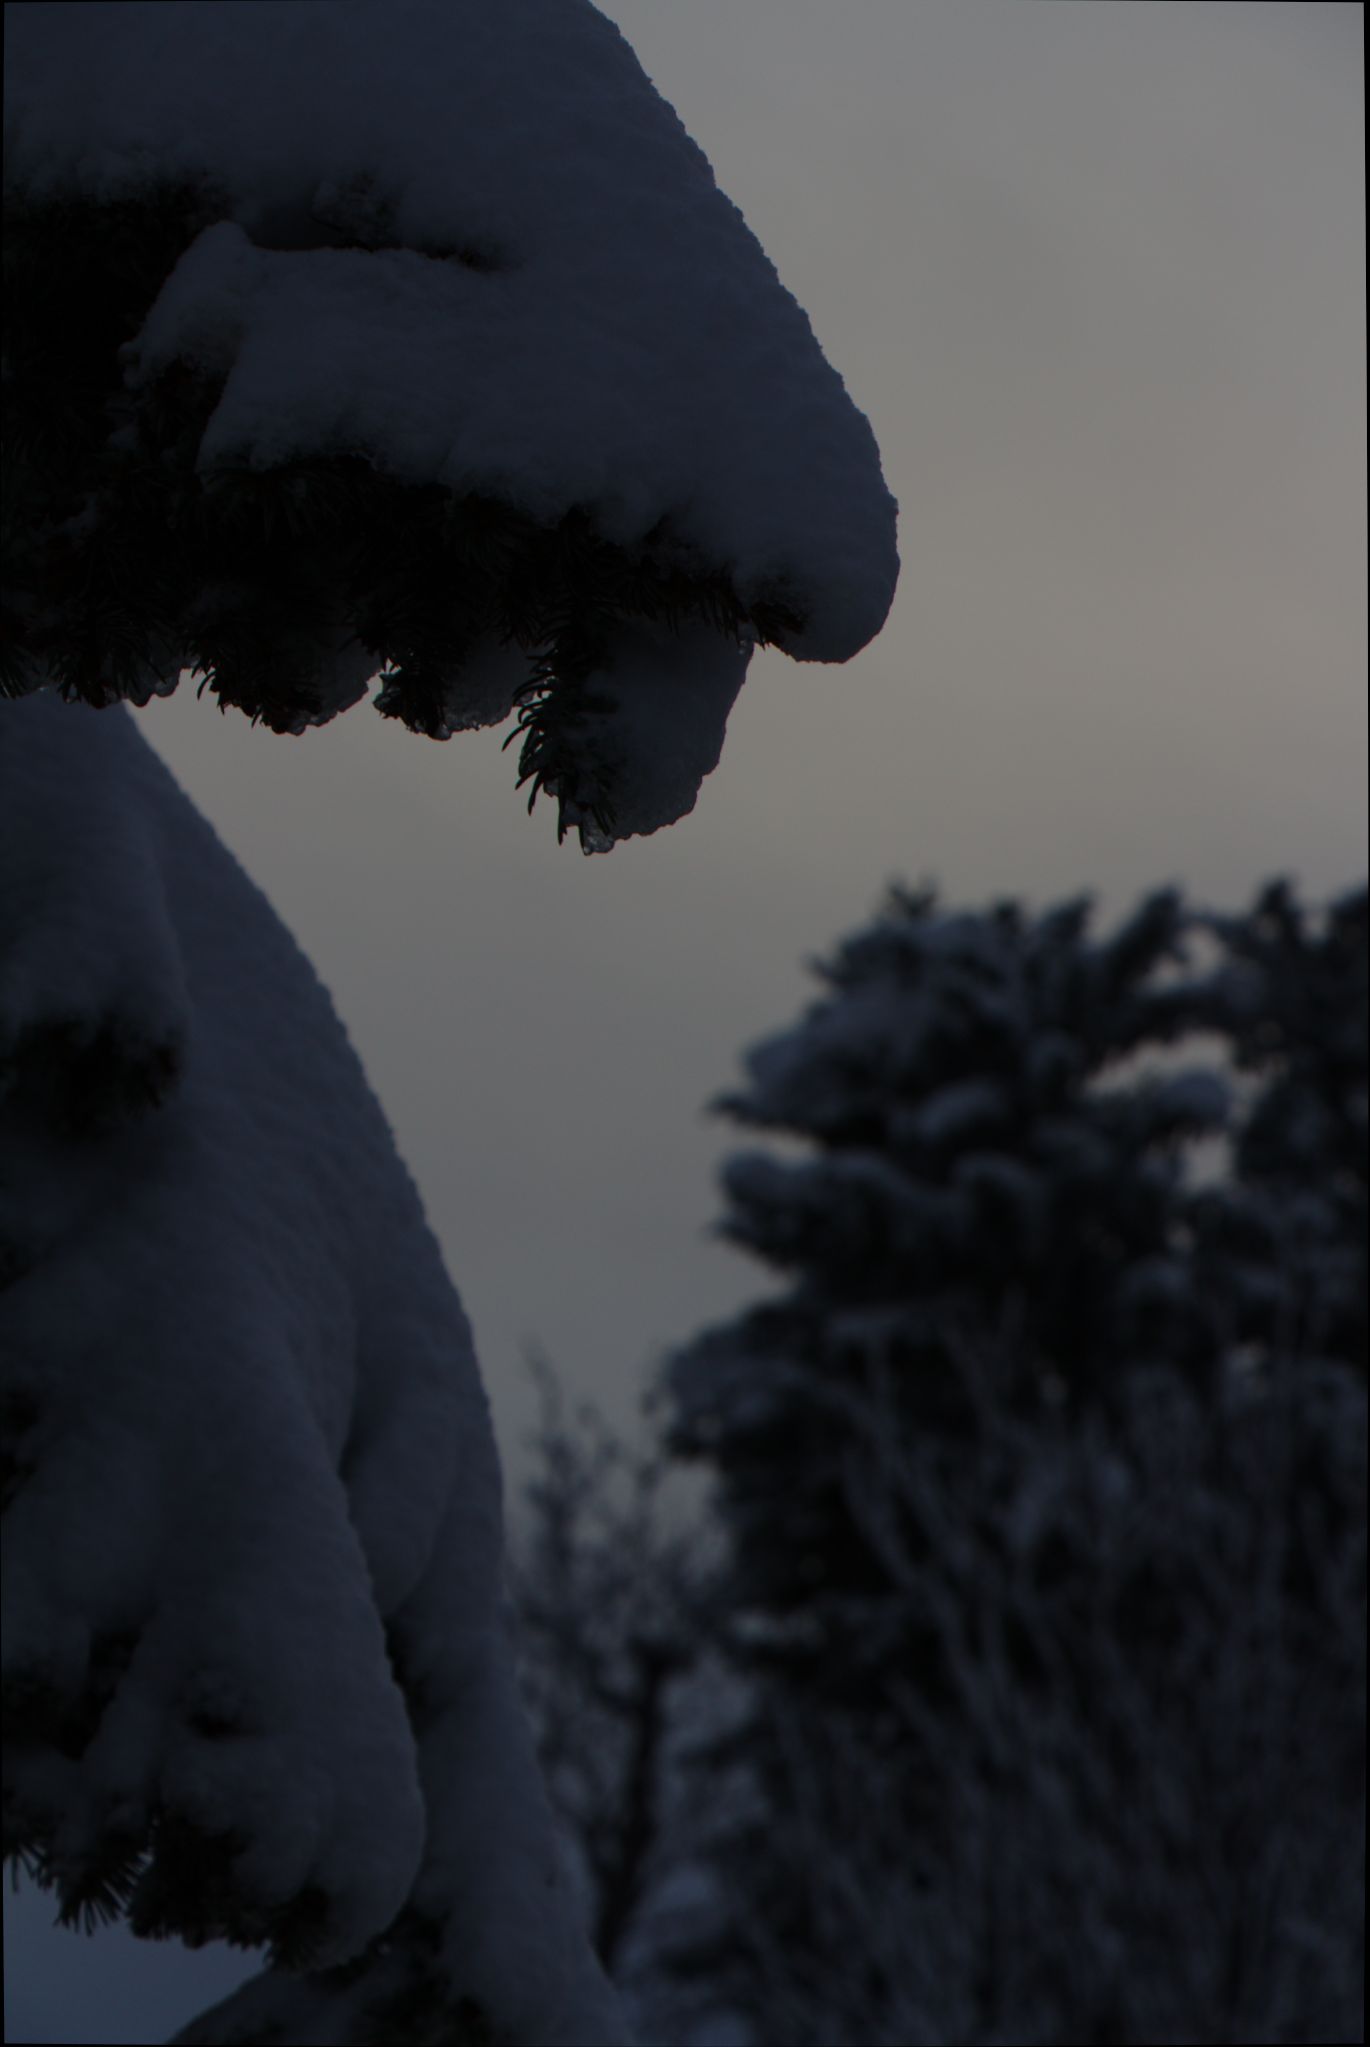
(1055,1433)
(990,1210)
(1286,1236)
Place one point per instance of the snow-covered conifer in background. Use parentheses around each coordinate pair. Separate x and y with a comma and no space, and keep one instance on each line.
(340,340)
(1043,1487)
(976,1199)
(1291,1228)
(1080,1754)
(1137,1811)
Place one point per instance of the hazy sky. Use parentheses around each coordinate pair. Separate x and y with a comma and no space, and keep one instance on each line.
(1097,275)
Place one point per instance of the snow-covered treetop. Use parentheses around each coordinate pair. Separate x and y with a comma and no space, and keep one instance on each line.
(459,257)
(944,1020)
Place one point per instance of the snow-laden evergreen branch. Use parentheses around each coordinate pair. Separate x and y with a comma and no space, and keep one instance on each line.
(419,341)
(257,1683)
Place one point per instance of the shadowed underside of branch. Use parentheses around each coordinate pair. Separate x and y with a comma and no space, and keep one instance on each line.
(286,588)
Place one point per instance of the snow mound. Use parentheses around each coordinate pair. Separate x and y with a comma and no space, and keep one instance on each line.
(256,1676)
(466,248)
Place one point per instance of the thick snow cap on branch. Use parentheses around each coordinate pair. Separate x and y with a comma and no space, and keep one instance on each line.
(466,244)
(256,1677)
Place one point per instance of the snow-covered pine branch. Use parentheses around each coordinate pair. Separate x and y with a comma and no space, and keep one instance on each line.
(257,1683)
(340,340)
(417,338)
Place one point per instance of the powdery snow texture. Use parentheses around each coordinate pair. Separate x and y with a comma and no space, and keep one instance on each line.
(256,1537)
(613,338)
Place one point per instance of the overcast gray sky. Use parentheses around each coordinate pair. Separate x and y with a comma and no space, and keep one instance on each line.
(1097,275)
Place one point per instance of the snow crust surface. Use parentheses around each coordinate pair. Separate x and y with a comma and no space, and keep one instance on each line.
(544,296)
(254,1544)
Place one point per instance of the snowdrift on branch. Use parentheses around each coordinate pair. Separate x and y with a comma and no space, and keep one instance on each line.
(415,338)
(256,1679)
